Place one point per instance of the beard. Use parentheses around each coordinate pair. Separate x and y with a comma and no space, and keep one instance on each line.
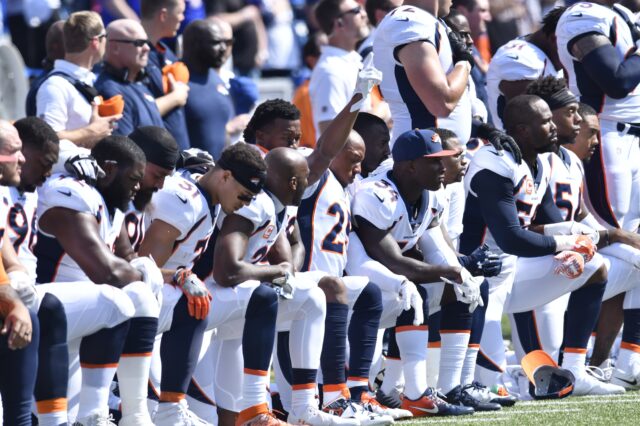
(142,198)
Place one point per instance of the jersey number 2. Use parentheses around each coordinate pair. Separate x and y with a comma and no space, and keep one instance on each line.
(329,242)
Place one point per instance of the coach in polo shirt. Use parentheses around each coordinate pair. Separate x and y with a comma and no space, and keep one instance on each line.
(58,102)
(335,75)
(125,60)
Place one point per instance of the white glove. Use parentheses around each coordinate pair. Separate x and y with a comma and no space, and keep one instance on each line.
(151,274)
(571,228)
(84,167)
(368,77)
(410,298)
(25,287)
(469,291)
(284,286)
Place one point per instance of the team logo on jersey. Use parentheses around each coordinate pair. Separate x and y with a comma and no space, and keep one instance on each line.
(268,232)
(528,186)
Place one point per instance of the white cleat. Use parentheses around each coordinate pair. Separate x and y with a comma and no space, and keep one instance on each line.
(96,420)
(177,414)
(588,385)
(347,409)
(373,405)
(628,380)
(313,416)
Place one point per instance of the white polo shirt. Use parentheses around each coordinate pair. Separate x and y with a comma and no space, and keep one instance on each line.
(59,103)
(333,81)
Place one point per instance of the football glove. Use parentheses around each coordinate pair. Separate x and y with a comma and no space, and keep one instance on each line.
(570,264)
(410,298)
(84,167)
(151,274)
(284,286)
(469,291)
(582,244)
(198,297)
(368,77)
(459,49)
(571,228)
(482,262)
(500,140)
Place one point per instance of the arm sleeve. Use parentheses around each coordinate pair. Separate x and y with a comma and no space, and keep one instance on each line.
(548,211)
(615,77)
(498,208)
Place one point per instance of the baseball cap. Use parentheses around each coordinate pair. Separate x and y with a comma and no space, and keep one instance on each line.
(546,379)
(417,143)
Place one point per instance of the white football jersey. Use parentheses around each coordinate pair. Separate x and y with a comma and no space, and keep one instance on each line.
(515,61)
(404,25)
(324,218)
(186,207)
(54,264)
(529,191)
(454,198)
(21,225)
(135,226)
(4,211)
(566,181)
(378,200)
(586,17)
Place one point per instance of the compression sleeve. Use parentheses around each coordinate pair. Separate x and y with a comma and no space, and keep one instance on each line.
(615,77)
(548,211)
(498,208)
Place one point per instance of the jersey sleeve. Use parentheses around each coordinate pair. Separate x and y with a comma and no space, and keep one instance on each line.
(256,212)
(522,64)
(409,24)
(582,19)
(67,192)
(168,205)
(376,205)
(501,164)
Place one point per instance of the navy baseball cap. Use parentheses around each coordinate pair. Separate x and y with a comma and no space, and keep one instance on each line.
(418,143)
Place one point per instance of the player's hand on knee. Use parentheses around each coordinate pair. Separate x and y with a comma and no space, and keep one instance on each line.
(410,298)
(582,244)
(467,292)
(17,324)
(570,264)
(284,286)
(25,287)
(151,274)
(198,297)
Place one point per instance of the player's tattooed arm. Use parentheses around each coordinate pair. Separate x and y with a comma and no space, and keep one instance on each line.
(584,45)
(86,247)
(381,246)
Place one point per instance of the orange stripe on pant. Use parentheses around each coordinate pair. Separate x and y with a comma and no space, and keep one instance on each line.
(630,347)
(52,406)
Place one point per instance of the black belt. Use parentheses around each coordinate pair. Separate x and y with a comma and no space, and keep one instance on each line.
(631,128)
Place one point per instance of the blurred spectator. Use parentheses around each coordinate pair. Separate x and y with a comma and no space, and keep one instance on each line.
(505,23)
(126,56)
(333,80)
(209,108)
(301,99)
(478,14)
(160,19)
(64,100)
(250,50)
(632,5)
(244,94)
(376,10)
(111,10)
(28,22)
(54,43)
(283,48)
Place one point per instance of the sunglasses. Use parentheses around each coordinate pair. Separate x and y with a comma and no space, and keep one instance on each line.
(355,11)
(137,42)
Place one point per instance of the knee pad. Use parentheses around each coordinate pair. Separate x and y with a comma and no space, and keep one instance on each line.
(370,298)
(316,302)
(144,302)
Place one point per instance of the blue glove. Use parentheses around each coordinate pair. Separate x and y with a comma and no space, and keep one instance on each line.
(482,262)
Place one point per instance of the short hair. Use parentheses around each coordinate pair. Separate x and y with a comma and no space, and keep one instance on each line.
(120,149)
(445,135)
(243,157)
(550,20)
(79,29)
(326,13)
(545,87)
(467,4)
(453,14)
(266,113)
(518,111)
(149,8)
(586,110)
(191,36)
(367,123)
(36,132)
(372,5)
(311,47)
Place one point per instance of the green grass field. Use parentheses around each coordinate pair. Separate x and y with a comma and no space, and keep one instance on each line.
(587,410)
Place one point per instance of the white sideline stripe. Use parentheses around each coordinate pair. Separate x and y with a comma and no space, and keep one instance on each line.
(489,417)
(618,399)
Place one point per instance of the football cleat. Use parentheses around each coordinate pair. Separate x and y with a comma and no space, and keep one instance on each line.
(97,419)
(586,384)
(459,396)
(177,414)
(628,380)
(313,416)
(483,394)
(391,400)
(370,403)
(265,419)
(430,404)
(347,409)
(136,420)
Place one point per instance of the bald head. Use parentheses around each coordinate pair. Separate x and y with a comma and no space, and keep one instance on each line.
(54,41)
(122,52)
(207,43)
(222,26)
(11,158)
(287,173)
(7,132)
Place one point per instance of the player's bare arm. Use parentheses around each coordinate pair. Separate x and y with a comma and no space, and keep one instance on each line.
(158,243)
(15,318)
(381,246)
(85,246)
(297,248)
(122,246)
(438,91)
(281,253)
(587,43)
(10,257)
(229,267)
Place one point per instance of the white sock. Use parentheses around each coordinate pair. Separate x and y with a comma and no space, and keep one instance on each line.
(452,355)
(627,358)
(574,361)
(52,412)
(433,364)
(332,392)
(469,366)
(133,377)
(94,396)
(412,344)
(303,398)
(254,388)
(393,377)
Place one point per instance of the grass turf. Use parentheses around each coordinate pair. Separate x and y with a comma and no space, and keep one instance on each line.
(587,410)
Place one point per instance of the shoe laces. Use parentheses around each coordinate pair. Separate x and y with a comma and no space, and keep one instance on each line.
(186,414)
(602,374)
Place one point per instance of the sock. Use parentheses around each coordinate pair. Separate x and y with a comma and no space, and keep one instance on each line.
(412,341)
(629,354)
(303,389)
(393,377)
(333,356)
(469,366)
(433,363)
(582,315)
(574,360)
(99,355)
(452,356)
(54,418)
